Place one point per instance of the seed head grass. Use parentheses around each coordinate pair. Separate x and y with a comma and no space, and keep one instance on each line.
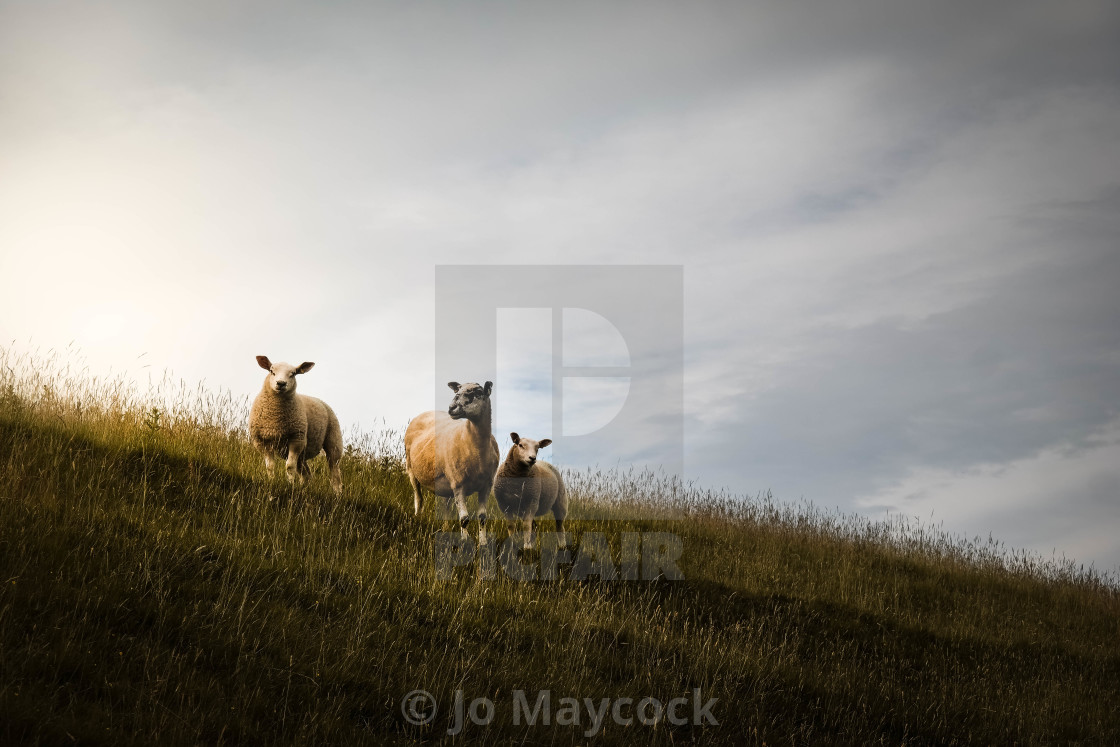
(157,586)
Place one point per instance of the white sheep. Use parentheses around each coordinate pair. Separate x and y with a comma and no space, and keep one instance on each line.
(453,453)
(528,488)
(294,426)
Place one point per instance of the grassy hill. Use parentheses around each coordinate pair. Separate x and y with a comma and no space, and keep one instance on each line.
(156,586)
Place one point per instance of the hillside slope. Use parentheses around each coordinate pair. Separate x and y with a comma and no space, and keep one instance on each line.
(156,586)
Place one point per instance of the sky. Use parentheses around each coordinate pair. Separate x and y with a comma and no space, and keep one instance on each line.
(898,223)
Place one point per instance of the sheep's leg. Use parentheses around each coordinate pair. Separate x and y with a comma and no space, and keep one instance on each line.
(483,499)
(417,496)
(336,478)
(533,501)
(334,451)
(481,526)
(560,511)
(266,452)
(295,450)
(528,527)
(464,514)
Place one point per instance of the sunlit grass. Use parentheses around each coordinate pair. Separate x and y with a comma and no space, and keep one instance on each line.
(157,586)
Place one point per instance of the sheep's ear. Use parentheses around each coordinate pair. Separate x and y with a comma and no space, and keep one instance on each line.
(263,362)
(305,367)
(544,443)
(489,385)
(454,385)
(515,438)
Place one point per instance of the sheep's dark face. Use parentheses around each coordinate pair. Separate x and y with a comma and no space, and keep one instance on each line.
(282,376)
(524,450)
(471,401)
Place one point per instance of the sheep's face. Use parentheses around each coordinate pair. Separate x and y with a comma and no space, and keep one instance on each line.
(282,376)
(471,401)
(524,450)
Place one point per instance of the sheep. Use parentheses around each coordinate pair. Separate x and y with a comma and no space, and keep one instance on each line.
(527,488)
(294,426)
(453,454)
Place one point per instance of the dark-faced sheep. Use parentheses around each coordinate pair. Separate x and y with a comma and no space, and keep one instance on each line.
(453,453)
(294,427)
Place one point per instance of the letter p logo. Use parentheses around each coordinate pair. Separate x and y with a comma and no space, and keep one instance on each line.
(590,356)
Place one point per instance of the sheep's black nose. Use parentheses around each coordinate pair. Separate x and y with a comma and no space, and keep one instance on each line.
(532,460)
(281,384)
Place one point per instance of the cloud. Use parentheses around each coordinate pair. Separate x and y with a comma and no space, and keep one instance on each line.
(897,222)
(1062,500)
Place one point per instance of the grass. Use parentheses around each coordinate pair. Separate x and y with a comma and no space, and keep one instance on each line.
(157,586)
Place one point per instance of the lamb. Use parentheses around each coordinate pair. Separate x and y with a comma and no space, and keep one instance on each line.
(454,454)
(527,488)
(294,426)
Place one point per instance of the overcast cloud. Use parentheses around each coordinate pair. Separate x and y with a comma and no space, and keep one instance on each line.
(898,222)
